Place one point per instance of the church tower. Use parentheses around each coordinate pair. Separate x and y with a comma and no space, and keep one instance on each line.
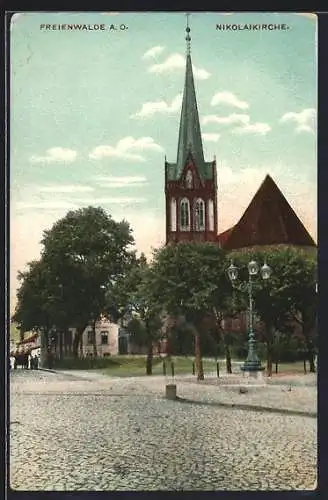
(190,183)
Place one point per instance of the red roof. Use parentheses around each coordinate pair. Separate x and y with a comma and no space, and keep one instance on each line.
(222,237)
(268,220)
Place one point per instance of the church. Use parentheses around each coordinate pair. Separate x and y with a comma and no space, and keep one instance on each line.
(191,194)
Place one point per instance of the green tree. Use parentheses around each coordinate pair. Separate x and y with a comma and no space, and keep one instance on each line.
(147,323)
(84,254)
(39,301)
(188,280)
(286,296)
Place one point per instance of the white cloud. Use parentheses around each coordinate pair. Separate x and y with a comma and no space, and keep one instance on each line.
(305,120)
(120,182)
(211,137)
(253,128)
(226,120)
(57,154)
(153,52)
(45,205)
(150,108)
(64,189)
(125,180)
(228,98)
(125,148)
(123,200)
(116,185)
(200,73)
(245,127)
(177,61)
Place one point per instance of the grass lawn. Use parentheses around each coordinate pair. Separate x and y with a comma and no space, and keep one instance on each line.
(133,366)
(130,366)
(291,368)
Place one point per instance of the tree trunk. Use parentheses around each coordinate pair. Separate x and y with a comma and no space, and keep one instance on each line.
(198,356)
(149,363)
(81,346)
(269,330)
(309,323)
(269,357)
(61,334)
(168,344)
(78,341)
(65,341)
(228,358)
(218,321)
(94,339)
(70,341)
(310,355)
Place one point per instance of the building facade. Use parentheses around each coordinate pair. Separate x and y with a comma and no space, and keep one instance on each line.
(107,339)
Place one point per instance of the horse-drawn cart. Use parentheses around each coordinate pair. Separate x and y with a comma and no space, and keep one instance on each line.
(21,358)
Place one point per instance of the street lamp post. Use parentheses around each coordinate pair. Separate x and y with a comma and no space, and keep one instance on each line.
(252,365)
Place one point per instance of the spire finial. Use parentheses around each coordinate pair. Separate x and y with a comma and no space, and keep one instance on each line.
(188,38)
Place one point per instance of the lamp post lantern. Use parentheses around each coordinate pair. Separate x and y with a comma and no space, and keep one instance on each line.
(252,364)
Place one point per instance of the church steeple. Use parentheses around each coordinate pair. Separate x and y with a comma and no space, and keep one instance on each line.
(190,182)
(190,140)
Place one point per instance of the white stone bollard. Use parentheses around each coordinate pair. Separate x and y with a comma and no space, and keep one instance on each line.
(171,391)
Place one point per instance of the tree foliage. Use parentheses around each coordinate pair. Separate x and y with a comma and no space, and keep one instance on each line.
(288,296)
(147,322)
(189,280)
(84,255)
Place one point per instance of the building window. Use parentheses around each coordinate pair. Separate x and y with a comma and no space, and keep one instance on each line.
(184,215)
(199,215)
(90,337)
(210,215)
(104,339)
(173,214)
(189,180)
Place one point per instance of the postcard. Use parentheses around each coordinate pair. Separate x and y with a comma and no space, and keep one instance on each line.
(163,251)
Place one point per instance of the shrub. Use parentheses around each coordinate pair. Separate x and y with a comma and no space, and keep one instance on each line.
(84,363)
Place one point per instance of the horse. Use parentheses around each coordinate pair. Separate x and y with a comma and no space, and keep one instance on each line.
(21,359)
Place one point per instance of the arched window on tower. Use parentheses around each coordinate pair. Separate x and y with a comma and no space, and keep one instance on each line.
(210,215)
(189,180)
(184,215)
(199,215)
(173,214)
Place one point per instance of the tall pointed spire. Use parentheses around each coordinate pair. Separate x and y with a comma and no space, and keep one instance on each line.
(188,37)
(190,140)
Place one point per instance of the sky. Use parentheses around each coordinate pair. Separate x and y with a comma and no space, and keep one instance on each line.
(93,114)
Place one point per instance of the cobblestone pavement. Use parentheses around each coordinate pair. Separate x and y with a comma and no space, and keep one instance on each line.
(85,431)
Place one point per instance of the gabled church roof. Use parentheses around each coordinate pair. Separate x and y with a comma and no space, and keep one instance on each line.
(268,220)
(190,139)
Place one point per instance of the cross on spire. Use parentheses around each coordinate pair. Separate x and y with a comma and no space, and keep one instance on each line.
(188,37)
